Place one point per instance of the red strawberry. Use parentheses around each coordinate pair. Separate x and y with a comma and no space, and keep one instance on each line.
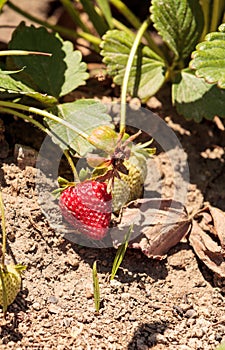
(87,206)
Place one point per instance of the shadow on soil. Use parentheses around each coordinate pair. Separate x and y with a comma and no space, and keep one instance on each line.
(9,327)
(147,334)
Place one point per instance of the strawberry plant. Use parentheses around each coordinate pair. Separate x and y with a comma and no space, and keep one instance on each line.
(196,73)
(35,85)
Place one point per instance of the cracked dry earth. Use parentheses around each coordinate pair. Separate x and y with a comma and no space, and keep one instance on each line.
(170,304)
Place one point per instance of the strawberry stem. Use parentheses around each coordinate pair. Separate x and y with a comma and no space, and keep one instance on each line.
(23,53)
(72,166)
(43,114)
(3,229)
(133,51)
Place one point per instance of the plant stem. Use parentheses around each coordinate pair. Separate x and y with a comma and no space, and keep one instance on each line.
(217,11)
(133,50)
(27,118)
(43,114)
(72,166)
(97,21)
(4,236)
(135,22)
(96,287)
(45,130)
(74,15)
(205,4)
(126,12)
(72,34)
(118,25)
(22,53)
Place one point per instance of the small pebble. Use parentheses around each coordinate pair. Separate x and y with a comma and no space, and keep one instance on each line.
(115,284)
(36,306)
(52,299)
(53,309)
(190,313)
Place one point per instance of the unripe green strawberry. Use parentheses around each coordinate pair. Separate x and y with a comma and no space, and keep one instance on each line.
(130,186)
(11,278)
(104,138)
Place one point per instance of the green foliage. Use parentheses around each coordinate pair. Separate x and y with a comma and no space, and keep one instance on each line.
(209,59)
(181,26)
(180,23)
(196,99)
(46,79)
(85,115)
(148,69)
(56,75)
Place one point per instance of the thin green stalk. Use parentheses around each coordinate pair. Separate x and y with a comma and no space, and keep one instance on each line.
(45,130)
(72,166)
(25,117)
(120,253)
(23,53)
(72,34)
(104,7)
(205,4)
(136,23)
(126,12)
(118,25)
(45,114)
(3,223)
(96,287)
(217,11)
(97,21)
(133,50)
(74,14)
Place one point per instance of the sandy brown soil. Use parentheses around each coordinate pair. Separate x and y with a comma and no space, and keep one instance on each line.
(173,304)
(168,304)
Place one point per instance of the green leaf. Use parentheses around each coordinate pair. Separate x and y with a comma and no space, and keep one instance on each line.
(96,287)
(209,59)
(83,114)
(179,22)
(196,99)
(11,87)
(148,69)
(221,347)
(56,75)
(75,74)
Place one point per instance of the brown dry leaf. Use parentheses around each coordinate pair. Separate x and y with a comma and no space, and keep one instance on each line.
(207,238)
(158,225)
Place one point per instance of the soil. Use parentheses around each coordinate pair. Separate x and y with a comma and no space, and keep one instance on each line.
(174,303)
